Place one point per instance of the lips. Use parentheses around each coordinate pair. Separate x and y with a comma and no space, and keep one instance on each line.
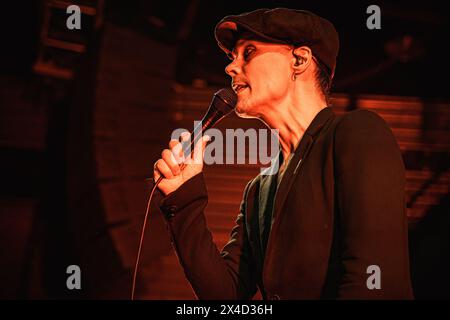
(238,87)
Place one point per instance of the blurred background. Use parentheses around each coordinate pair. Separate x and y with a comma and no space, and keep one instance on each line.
(85,113)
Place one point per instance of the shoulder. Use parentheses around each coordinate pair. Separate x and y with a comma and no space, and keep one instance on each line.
(363,129)
(362,136)
(361,122)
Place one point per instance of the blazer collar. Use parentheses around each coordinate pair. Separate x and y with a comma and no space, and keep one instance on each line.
(319,121)
(291,171)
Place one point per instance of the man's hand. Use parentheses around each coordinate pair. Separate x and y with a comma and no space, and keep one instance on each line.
(169,166)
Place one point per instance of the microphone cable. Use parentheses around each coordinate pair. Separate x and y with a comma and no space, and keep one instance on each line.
(133,287)
(141,241)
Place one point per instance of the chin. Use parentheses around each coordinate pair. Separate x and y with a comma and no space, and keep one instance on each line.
(245,111)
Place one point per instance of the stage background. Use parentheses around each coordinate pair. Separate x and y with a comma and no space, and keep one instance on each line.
(84,114)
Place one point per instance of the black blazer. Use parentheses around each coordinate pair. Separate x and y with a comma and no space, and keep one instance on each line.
(339,209)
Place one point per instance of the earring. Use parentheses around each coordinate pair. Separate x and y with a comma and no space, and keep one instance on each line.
(294,76)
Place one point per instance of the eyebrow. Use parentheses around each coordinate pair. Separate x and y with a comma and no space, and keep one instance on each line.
(233,52)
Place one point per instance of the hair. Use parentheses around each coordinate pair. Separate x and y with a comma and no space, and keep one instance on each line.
(323,79)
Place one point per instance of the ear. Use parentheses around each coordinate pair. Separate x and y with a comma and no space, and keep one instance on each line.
(302,57)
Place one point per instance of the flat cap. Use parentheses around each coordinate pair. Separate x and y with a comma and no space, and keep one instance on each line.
(281,25)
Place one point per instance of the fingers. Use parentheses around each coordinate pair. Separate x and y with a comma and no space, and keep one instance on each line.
(170,161)
(199,149)
(177,150)
(177,147)
(169,164)
(161,168)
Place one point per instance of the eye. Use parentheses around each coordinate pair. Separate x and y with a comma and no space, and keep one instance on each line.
(247,52)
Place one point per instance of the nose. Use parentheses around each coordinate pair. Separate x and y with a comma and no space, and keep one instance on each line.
(233,68)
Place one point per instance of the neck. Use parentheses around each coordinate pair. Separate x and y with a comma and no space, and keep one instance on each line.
(292,117)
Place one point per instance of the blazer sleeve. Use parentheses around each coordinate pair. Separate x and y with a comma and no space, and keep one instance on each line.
(370,189)
(212,274)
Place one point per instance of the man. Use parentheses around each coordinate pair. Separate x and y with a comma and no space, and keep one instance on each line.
(331,223)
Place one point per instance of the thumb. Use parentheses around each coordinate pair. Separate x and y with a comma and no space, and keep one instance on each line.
(199,149)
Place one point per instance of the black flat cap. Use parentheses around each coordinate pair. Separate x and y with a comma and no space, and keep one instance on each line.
(281,25)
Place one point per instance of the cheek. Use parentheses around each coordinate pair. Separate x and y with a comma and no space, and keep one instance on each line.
(277,85)
(273,82)
(269,72)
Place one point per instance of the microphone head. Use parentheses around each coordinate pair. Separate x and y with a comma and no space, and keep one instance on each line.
(225,100)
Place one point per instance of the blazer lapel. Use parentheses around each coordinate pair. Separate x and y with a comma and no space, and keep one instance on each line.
(294,168)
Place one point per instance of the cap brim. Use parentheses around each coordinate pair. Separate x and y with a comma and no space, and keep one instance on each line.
(226,34)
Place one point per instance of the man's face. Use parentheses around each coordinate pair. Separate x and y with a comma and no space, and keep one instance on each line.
(261,75)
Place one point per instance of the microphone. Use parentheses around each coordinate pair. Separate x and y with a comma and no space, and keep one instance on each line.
(222,105)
